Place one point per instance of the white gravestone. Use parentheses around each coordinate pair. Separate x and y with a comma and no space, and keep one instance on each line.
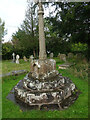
(31,57)
(13,57)
(17,59)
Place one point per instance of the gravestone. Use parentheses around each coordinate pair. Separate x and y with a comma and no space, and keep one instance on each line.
(63,57)
(13,57)
(17,59)
(79,56)
(31,58)
(43,86)
(25,59)
(58,55)
(51,55)
(70,55)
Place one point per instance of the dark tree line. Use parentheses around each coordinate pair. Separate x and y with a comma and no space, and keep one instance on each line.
(66,29)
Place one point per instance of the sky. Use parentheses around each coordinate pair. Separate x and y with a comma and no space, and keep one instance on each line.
(13,13)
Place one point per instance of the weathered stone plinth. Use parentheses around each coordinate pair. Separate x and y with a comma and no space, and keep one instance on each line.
(57,93)
(43,69)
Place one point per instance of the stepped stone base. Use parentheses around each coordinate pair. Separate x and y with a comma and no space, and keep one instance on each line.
(44,86)
(54,93)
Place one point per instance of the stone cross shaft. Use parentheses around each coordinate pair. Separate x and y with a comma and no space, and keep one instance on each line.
(42,47)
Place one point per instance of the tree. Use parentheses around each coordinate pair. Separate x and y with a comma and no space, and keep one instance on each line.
(72,21)
(2,30)
(27,35)
(70,24)
(7,50)
(31,25)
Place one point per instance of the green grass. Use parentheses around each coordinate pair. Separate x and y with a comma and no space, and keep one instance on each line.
(8,66)
(10,110)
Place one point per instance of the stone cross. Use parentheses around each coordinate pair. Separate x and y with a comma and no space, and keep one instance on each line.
(17,59)
(13,57)
(42,47)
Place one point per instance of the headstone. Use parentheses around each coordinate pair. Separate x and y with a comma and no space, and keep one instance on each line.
(13,57)
(25,59)
(17,59)
(70,55)
(79,55)
(63,57)
(31,58)
(51,55)
(58,55)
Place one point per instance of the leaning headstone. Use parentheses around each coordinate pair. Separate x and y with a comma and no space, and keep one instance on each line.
(51,55)
(17,59)
(70,55)
(31,58)
(63,57)
(25,59)
(13,57)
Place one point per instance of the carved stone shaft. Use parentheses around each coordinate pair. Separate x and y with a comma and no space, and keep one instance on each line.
(42,48)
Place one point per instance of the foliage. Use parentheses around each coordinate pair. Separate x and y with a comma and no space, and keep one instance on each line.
(7,49)
(57,45)
(2,30)
(79,47)
(66,29)
(72,20)
(68,25)
(80,68)
(26,38)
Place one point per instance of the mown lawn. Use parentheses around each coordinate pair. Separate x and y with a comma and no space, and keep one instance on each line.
(8,66)
(10,110)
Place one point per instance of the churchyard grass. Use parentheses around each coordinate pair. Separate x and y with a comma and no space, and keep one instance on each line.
(9,66)
(10,110)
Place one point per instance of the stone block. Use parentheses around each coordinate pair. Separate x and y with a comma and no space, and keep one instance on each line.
(42,69)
